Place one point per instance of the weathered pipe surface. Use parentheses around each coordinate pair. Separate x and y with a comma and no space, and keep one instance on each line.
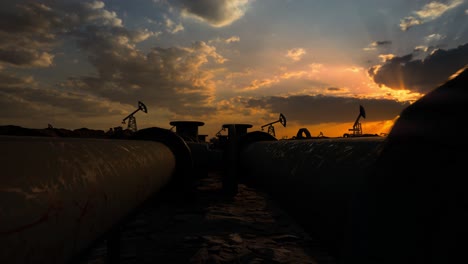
(414,205)
(314,179)
(183,177)
(57,195)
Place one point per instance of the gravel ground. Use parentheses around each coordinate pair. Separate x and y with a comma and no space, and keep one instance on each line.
(210,227)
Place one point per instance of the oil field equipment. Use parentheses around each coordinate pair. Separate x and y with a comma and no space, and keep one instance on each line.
(132,126)
(271,128)
(357,129)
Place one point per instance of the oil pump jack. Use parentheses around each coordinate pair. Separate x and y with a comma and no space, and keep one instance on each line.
(357,129)
(132,126)
(271,128)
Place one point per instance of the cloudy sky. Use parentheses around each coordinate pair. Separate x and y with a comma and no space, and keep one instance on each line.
(77,64)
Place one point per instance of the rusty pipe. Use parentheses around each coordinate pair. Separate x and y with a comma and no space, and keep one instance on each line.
(57,195)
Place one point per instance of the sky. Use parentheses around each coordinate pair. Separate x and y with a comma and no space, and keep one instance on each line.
(75,64)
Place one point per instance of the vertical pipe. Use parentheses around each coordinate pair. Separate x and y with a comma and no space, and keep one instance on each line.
(188,130)
(230,181)
(239,129)
(231,157)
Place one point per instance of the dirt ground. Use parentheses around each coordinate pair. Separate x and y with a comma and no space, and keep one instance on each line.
(212,228)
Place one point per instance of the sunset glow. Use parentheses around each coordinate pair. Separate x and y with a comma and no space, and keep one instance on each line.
(80,64)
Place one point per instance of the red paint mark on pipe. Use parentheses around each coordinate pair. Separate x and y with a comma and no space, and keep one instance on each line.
(41,219)
(54,208)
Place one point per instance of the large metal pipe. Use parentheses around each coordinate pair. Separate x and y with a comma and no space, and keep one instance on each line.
(414,205)
(399,199)
(57,195)
(314,179)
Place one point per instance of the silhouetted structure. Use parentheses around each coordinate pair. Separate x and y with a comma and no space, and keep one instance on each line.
(412,207)
(357,128)
(188,130)
(202,138)
(132,126)
(241,129)
(271,128)
(304,131)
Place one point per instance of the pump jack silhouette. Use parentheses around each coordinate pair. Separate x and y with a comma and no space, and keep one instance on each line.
(357,128)
(132,126)
(271,128)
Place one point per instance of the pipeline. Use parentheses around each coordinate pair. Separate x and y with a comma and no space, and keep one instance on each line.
(58,195)
(313,179)
(413,207)
(205,156)
(208,157)
(378,200)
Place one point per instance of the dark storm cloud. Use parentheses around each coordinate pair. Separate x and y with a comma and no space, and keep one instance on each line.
(318,109)
(215,12)
(420,75)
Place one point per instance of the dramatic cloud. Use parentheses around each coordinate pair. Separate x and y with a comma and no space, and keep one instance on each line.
(420,75)
(172,78)
(289,81)
(225,40)
(386,57)
(31,32)
(173,27)
(23,101)
(90,61)
(417,49)
(11,81)
(320,109)
(232,39)
(217,13)
(429,12)
(296,54)
(167,78)
(27,38)
(26,57)
(374,45)
(433,38)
